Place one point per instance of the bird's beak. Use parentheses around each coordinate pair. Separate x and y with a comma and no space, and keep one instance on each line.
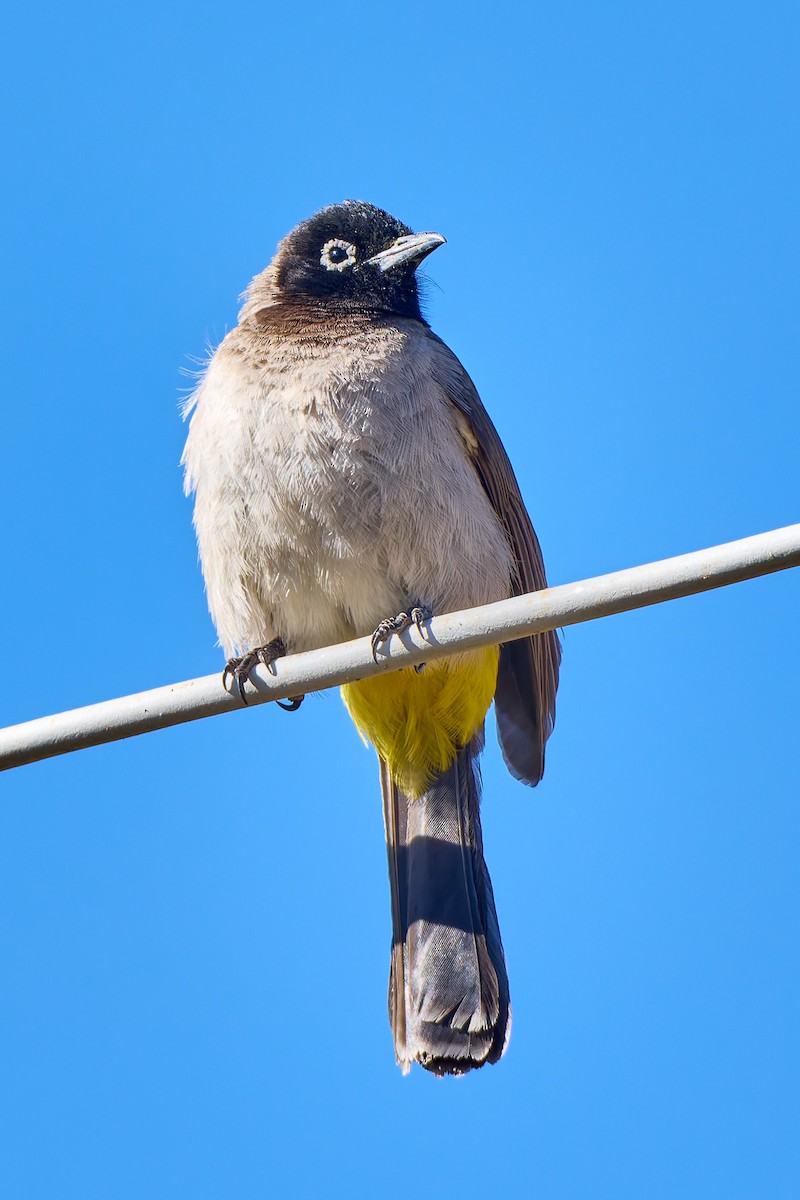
(409,249)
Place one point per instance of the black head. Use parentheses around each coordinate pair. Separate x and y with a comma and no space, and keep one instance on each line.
(353,255)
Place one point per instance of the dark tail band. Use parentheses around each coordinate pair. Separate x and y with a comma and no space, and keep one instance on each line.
(448,988)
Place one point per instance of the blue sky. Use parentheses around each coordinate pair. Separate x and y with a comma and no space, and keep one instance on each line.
(194,925)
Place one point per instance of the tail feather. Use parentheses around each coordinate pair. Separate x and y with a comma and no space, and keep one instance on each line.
(448,987)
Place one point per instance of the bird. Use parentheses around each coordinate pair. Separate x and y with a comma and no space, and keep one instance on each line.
(349,482)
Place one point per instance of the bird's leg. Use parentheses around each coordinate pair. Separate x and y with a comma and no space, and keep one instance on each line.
(404,620)
(239,670)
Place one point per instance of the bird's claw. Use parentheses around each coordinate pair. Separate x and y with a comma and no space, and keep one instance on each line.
(238,669)
(420,613)
(404,620)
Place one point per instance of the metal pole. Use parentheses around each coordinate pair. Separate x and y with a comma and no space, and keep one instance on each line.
(568,604)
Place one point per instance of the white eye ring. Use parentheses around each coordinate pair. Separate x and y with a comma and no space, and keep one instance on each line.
(337,244)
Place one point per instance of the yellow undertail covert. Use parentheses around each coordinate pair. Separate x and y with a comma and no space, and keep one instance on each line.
(418,722)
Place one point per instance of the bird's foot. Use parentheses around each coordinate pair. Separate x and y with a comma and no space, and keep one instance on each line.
(239,671)
(398,624)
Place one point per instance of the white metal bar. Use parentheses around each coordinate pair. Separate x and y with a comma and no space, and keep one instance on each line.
(568,604)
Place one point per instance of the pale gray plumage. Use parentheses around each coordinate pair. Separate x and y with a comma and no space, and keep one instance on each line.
(344,470)
(322,466)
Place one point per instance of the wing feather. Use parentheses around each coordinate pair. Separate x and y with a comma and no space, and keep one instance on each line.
(525,700)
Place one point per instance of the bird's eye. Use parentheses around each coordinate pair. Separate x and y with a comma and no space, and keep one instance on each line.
(337,255)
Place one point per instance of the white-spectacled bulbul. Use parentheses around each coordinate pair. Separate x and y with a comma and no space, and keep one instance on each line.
(348,481)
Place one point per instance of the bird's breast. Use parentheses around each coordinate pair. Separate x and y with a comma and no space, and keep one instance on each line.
(349,489)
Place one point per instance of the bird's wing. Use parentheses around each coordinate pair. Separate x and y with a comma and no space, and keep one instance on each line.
(525,700)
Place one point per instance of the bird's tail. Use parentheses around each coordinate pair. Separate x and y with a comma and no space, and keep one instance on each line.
(448,987)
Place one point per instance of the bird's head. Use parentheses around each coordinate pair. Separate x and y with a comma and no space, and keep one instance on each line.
(352,255)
